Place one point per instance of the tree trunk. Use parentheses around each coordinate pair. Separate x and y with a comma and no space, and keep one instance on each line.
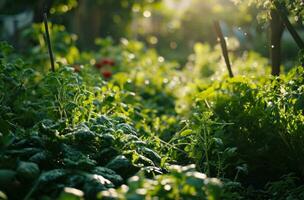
(88,19)
(276,33)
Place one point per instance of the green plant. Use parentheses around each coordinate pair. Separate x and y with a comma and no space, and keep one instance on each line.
(179,183)
(264,122)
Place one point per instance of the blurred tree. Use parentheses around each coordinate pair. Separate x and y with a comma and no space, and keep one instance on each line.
(103,18)
(178,25)
(9,7)
(19,14)
(89,19)
(276,33)
(269,11)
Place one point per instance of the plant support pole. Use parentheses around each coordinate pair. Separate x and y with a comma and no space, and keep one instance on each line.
(48,41)
(220,36)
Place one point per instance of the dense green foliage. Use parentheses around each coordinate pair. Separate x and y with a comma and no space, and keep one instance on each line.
(263,122)
(295,7)
(122,122)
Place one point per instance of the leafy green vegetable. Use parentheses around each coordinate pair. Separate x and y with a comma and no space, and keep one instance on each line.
(72,135)
(28,171)
(109,174)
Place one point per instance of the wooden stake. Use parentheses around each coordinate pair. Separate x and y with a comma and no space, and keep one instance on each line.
(220,36)
(48,41)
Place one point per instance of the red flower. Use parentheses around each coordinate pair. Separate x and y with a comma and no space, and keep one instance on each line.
(98,65)
(107,74)
(108,61)
(104,62)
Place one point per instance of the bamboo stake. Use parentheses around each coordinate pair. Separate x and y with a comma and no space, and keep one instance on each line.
(48,40)
(220,36)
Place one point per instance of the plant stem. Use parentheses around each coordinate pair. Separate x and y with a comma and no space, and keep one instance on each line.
(32,190)
(206,148)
